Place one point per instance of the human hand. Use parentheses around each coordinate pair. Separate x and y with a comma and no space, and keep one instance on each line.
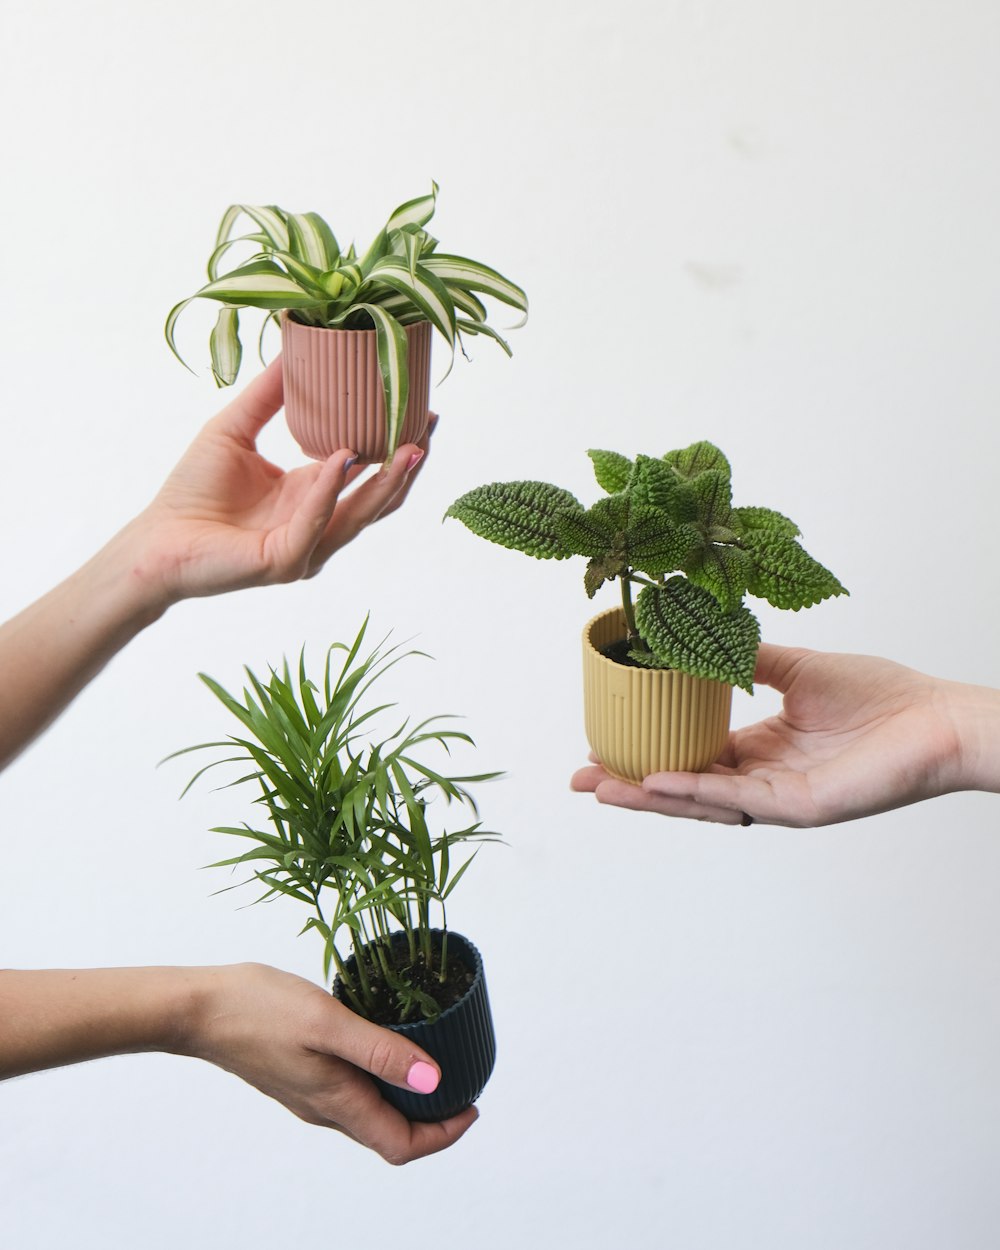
(856,736)
(227,518)
(296,1043)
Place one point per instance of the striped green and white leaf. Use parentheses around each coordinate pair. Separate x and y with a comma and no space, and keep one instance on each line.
(470,275)
(392,350)
(225,346)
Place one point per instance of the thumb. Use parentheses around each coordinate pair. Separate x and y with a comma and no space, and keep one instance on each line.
(391,1057)
(776,665)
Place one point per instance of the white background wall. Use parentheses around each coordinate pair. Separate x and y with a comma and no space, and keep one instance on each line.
(771,225)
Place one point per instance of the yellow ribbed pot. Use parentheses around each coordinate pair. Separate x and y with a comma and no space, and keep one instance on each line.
(648,720)
(333,389)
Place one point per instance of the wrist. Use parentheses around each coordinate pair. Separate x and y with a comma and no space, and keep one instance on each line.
(974,712)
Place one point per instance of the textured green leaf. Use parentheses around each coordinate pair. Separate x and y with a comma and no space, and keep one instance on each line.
(699,457)
(763,520)
(714,495)
(523,516)
(725,571)
(653,483)
(685,627)
(654,544)
(611,469)
(786,575)
(598,531)
(602,569)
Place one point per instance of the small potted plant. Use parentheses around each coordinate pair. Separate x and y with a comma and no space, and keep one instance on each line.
(351,829)
(659,670)
(356,329)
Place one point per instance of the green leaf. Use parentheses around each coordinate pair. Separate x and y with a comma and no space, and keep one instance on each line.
(763,520)
(786,575)
(687,630)
(611,469)
(416,212)
(470,275)
(392,350)
(714,494)
(225,346)
(653,483)
(258,285)
(698,458)
(598,531)
(523,516)
(654,544)
(725,571)
(425,291)
(602,569)
(312,241)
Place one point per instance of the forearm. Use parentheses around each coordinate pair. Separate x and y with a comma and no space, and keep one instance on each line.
(56,1017)
(52,649)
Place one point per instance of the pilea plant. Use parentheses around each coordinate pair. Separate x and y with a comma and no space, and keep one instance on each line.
(297,266)
(668,529)
(349,828)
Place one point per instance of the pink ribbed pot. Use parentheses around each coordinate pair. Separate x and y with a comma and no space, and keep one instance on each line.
(333,389)
(648,720)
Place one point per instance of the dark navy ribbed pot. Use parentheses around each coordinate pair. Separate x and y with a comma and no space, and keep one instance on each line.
(461,1040)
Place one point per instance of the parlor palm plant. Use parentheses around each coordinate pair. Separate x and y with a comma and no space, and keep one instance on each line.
(298,272)
(350,827)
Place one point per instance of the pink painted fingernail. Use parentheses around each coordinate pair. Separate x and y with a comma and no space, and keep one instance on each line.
(414,460)
(423,1078)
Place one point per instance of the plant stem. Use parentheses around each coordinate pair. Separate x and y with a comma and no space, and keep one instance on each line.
(634,637)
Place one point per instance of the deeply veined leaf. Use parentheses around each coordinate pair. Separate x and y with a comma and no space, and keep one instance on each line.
(312,241)
(415,212)
(655,544)
(654,484)
(598,531)
(786,575)
(473,276)
(714,494)
(700,456)
(611,469)
(763,520)
(687,630)
(523,516)
(724,571)
(225,346)
(603,569)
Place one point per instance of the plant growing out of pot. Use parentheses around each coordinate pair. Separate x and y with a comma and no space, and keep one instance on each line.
(356,328)
(351,827)
(660,669)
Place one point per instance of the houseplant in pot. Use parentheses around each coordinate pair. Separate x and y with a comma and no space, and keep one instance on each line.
(356,328)
(659,670)
(351,826)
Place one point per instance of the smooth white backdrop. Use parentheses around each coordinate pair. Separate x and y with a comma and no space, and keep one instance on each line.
(771,225)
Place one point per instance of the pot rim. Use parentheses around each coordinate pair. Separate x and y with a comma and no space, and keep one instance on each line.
(652,674)
(301,325)
(478,974)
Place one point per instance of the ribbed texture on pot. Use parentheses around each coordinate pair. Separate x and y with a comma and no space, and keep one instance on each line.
(648,720)
(461,1040)
(333,389)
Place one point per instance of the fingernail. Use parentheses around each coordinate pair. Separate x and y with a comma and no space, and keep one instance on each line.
(423,1078)
(350,463)
(414,460)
